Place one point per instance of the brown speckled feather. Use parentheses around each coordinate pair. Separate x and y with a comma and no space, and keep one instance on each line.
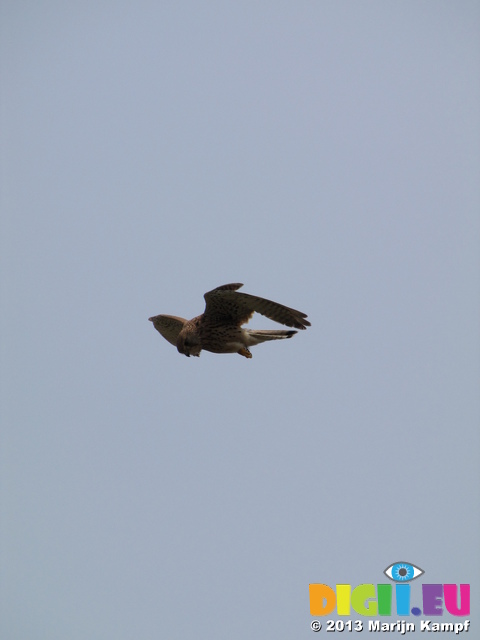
(169,327)
(225,303)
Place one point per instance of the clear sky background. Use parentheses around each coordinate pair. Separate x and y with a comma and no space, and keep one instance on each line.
(326,154)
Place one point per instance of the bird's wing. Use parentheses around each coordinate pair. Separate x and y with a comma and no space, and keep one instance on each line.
(168,326)
(224,303)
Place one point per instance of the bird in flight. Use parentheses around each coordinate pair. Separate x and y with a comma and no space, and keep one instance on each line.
(219,328)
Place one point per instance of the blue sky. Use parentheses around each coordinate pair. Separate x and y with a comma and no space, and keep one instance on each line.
(326,155)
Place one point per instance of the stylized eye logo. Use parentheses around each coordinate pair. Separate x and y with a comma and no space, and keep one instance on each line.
(403,571)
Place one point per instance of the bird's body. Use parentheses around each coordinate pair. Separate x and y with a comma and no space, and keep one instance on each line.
(219,328)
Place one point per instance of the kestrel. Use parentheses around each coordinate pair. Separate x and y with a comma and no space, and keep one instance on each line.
(219,328)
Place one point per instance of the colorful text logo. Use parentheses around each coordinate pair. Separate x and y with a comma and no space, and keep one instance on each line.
(373,600)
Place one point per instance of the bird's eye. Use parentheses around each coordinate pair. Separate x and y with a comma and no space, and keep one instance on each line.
(403,572)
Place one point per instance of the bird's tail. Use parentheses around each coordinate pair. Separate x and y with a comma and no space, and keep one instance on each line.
(257,335)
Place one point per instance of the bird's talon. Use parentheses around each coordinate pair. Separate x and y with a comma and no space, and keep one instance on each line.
(245,352)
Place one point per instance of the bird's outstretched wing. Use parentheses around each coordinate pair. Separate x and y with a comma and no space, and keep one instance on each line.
(226,304)
(168,326)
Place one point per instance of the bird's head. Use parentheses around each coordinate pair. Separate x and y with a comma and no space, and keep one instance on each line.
(188,343)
